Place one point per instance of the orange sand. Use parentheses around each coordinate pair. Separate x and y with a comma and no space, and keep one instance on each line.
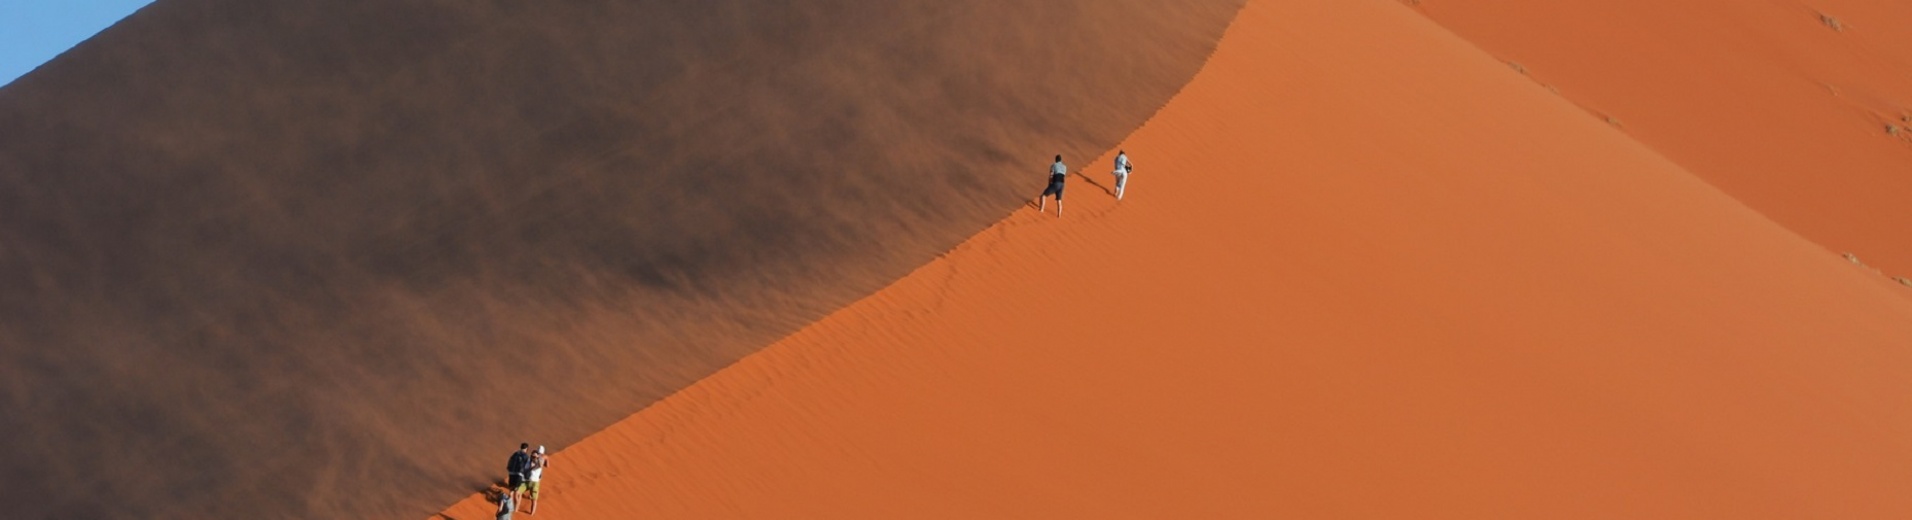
(1364,270)
(296,252)
(1764,99)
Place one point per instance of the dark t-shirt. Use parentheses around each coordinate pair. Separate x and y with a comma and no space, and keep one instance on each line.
(518,464)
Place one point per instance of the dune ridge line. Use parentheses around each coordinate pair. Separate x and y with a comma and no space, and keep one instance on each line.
(1365,270)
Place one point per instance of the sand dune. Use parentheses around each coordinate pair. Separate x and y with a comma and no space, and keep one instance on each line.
(322,259)
(1789,107)
(1365,271)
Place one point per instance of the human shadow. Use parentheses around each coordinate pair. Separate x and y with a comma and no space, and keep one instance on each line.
(1036,204)
(1085,177)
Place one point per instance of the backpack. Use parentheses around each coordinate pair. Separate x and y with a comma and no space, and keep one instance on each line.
(516,465)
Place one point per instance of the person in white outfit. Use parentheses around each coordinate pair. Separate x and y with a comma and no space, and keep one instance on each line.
(1122,169)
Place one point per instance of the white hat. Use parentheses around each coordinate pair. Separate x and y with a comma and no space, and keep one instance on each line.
(540,448)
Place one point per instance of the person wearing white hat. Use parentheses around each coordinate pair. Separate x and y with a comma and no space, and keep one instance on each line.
(539,461)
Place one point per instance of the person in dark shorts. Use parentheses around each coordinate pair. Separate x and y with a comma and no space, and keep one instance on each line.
(1058,179)
(516,469)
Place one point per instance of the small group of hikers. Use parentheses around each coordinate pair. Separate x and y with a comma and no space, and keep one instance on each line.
(522,474)
(1059,177)
(526,467)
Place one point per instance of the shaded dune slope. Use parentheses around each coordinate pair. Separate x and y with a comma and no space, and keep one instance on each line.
(1787,106)
(279,258)
(1364,270)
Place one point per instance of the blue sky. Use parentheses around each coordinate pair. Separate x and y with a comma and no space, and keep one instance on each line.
(34,31)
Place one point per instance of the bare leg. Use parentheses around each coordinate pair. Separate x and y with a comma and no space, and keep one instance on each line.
(1058,207)
(1042,203)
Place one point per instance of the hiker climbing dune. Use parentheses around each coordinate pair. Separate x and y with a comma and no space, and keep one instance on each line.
(1058,179)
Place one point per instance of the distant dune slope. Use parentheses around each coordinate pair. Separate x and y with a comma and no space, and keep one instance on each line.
(1787,106)
(321,259)
(1364,270)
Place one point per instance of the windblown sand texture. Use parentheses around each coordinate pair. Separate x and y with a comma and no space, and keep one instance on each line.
(264,259)
(1365,270)
(1380,259)
(1803,111)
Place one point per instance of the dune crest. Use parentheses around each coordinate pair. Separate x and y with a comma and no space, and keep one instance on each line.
(282,258)
(1796,109)
(1363,270)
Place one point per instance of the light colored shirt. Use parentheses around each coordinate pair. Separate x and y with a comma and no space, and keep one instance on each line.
(537,467)
(506,506)
(1058,169)
(1122,162)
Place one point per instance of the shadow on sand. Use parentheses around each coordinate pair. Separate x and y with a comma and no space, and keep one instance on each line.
(1033,204)
(1105,189)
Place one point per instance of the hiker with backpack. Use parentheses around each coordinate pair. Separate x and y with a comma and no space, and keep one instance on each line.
(516,468)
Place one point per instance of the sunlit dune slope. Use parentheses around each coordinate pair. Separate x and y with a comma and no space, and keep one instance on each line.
(1364,271)
(270,259)
(1801,110)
